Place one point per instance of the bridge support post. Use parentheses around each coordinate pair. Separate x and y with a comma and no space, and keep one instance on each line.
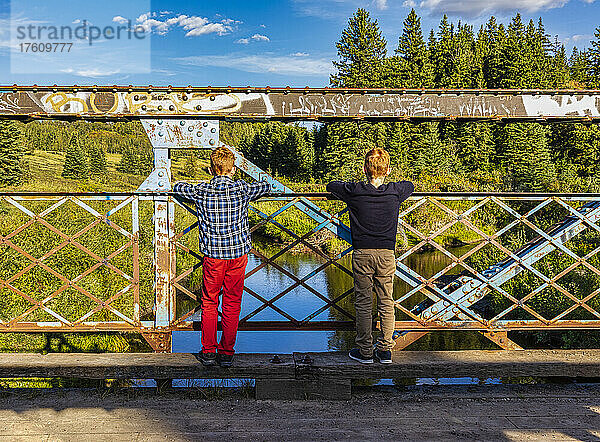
(159,180)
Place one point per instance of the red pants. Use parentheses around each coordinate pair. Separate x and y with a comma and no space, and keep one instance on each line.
(228,275)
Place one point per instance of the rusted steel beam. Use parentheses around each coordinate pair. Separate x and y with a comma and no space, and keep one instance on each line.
(501,339)
(141,102)
(410,326)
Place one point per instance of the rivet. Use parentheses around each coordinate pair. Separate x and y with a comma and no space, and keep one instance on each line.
(136,97)
(205,124)
(190,128)
(161,174)
(159,121)
(213,130)
(161,184)
(159,107)
(160,134)
(184,97)
(211,142)
(212,98)
(171,108)
(144,107)
(198,107)
(182,123)
(198,134)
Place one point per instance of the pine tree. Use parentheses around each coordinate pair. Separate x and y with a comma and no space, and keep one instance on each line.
(130,162)
(523,151)
(515,59)
(97,160)
(76,164)
(427,152)
(578,65)
(411,67)
(361,51)
(576,145)
(593,73)
(473,143)
(12,150)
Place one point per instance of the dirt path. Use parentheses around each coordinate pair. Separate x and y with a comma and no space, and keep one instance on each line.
(413,413)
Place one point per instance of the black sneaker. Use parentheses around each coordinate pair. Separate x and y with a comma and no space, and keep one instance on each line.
(357,356)
(383,356)
(224,360)
(207,359)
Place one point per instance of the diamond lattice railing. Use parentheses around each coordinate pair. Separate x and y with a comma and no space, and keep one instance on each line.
(487,262)
(69,262)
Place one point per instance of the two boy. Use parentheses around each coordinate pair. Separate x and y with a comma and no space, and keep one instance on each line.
(222,206)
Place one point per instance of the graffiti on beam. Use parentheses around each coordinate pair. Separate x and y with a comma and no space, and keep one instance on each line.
(296,104)
(563,105)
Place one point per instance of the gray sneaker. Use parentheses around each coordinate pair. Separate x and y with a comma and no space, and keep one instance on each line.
(383,356)
(357,356)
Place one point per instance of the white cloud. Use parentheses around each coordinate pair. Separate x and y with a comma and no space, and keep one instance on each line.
(264,26)
(380,4)
(283,65)
(578,37)
(300,54)
(255,37)
(93,72)
(194,25)
(475,8)
(409,4)
(259,37)
(77,21)
(119,19)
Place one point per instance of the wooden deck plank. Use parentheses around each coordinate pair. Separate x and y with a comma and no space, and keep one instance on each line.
(448,364)
(475,363)
(139,366)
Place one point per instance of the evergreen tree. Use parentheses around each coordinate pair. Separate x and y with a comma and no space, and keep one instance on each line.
(593,72)
(361,52)
(515,60)
(578,65)
(523,151)
(489,47)
(576,145)
(130,161)
(427,152)
(97,160)
(411,67)
(473,143)
(76,164)
(12,150)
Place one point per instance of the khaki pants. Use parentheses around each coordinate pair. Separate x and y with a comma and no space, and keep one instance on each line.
(374,271)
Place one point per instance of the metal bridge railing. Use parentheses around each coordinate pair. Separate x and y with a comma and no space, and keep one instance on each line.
(466,261)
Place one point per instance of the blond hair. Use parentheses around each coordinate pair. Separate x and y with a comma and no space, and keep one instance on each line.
(221,161)
(377,163)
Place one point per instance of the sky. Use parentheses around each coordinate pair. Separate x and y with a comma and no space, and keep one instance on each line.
(235,42)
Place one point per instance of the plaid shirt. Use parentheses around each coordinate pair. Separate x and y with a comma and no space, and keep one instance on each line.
(222,206)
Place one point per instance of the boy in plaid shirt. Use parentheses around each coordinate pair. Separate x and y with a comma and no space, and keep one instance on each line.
(222,206)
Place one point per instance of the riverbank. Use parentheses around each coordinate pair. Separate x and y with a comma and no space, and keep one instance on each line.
(498,412)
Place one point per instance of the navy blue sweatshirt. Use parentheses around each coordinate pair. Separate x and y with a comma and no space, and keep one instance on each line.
(373,211)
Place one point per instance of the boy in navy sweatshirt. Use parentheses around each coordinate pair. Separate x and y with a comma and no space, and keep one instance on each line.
(374,208)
